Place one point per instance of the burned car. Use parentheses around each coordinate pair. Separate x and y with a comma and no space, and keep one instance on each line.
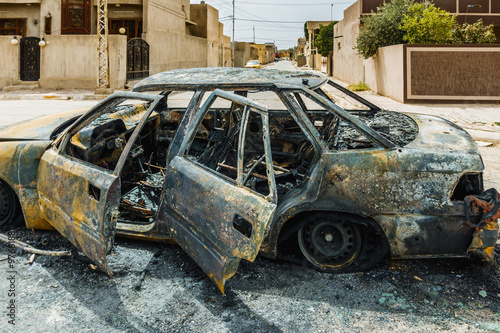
(229,163)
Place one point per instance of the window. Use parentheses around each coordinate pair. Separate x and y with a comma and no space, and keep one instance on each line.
(133,27)
(292,152)
(16,26)
(231,141)
(102,140)
(48,25)
(336,133)
(217,139)
(75,16)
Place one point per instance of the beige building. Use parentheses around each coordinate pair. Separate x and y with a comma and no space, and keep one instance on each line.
(265,53)
(54,42)
(242,53)
(313,59)
(208,27)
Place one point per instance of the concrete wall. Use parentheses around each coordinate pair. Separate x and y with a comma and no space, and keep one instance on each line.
(59,68)
(214,49)
(348,66)
(241,54)
(430,73)
(168,51)
(262,52)
(10,55)
(316,63)
(165,31)
(199,16)
(208,26)
(226,50)
(117,61)
(384,73)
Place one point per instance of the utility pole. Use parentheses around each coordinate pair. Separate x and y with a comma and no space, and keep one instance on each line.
(232,45)
(333,41)
(254,34)
(102,35)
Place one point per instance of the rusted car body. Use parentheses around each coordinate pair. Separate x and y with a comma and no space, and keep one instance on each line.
(226,177)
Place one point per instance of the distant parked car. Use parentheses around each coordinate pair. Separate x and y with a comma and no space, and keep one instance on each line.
(226,177)
(253,64)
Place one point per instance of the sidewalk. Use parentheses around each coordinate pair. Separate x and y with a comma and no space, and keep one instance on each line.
(62,94)
(45,94)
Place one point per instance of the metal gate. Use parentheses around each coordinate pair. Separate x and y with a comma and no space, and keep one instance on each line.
(137,59)
(30,59)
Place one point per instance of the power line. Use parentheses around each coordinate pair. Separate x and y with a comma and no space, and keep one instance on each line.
(249,20)
(264,39)
(295,4)
(248,15)
(281,26)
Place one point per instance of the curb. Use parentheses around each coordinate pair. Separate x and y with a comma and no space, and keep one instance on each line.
(57,97)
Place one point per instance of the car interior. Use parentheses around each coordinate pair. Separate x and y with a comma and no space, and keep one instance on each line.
(101,143)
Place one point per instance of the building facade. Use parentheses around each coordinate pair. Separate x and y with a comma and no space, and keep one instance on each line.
(423,73)
(53,43)
(313,58)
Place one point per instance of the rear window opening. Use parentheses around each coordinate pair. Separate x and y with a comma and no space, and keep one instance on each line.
(216,142)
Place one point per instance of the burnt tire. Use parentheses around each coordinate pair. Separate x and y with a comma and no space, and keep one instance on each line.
(9,208)
(329,243)
(340,243)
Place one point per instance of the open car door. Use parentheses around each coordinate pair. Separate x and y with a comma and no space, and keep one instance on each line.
(79,199)
(220,192)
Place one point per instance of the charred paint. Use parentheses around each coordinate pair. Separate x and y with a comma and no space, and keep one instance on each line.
(404,176)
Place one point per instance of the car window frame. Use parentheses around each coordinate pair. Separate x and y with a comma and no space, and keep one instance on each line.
(371,134)
(196,121)
(102,108)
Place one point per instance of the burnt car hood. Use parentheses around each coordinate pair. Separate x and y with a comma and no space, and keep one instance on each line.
(39,128)
(441,135)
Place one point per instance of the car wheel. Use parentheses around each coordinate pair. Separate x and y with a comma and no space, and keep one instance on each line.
(329,243)
(8,204)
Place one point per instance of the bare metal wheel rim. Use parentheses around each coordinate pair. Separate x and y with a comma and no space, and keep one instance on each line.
(7,204)
(330,243)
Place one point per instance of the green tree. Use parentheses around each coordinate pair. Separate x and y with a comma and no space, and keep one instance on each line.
(475,33)
(424,23)
(382,28)
(324,40)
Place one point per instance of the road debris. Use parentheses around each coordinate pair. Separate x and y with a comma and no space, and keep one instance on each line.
(31,249)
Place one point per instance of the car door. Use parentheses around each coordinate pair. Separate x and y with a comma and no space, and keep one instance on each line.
(218,219)
(80,199)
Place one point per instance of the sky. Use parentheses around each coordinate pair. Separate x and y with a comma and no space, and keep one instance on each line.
(279,21)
